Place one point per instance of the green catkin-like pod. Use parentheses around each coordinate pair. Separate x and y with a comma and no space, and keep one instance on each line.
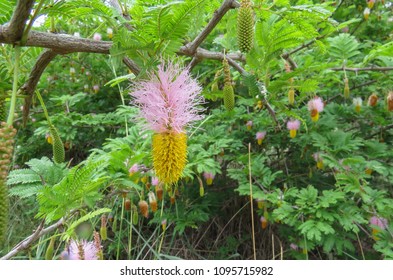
(245,26)
(58,147)
(229,96)
(7,134)
(3,210)
(50,249)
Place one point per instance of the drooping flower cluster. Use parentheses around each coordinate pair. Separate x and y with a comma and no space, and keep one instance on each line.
(315,106)
(168,101)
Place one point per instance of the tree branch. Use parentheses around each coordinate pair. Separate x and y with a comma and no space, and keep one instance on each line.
(26,243)
(14,31)
(191,48)
(267,104)
(29,87)
(131,65)
(381,69)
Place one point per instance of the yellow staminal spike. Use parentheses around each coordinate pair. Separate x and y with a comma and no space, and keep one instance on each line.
(292,133)
(169,156)
(314,115)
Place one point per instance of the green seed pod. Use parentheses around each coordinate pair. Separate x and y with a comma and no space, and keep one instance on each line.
(50,249)
(4,206)
(58,147)
(134,216)
(103,233)
(229,97)
(114,224)
(245,26)
(201,191)
(3,113)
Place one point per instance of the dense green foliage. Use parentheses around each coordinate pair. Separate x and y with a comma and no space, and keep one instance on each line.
(314,193)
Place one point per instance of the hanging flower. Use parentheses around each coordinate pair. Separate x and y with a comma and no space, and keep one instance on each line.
(317,157)
(293,246)
(366,13)
(133,169)
(357,101)
(96,88)
(168,101)
(293,126)
(260,136)
(249,125)
(263,222)
(208,177)
(72,71)
(163,224)
(152,201)
(81,250)
(370,3)
(377,225)
(49,138)
(373,100)
(315,106)
(97,37)
(389,100)
(109,32)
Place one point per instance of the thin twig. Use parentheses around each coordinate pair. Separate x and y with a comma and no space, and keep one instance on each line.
(28,241)
(380,69)
(190,48)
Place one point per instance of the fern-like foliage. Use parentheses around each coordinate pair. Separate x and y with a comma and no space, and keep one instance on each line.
(28,182)
(274,35)
(343,46)
(6,8)
(77,189)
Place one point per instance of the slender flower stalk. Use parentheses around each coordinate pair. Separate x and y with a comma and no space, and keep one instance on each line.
(293,126)
(168,102)
(315,106)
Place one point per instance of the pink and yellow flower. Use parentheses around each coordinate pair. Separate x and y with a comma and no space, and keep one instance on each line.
(168,101)
(315,106)
(81,250)
(209,176)
(249,125)
(293,126)
(260,136)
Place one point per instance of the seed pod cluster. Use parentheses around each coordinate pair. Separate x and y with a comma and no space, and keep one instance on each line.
(245,26)
(229,96)
(7,134)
